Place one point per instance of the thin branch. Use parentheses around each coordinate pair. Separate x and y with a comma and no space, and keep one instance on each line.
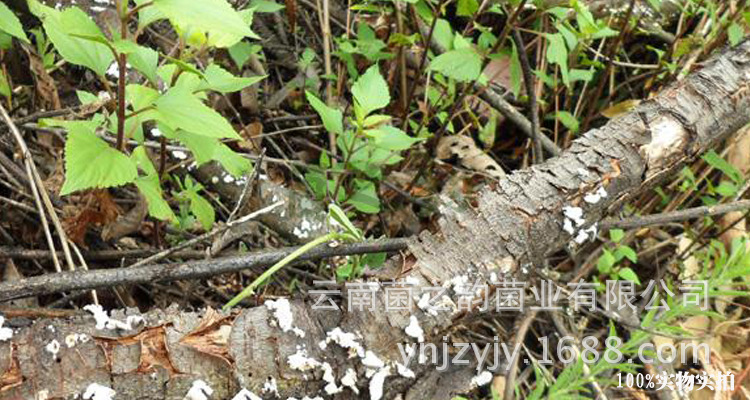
(676,216)
(528,79)
(81,280)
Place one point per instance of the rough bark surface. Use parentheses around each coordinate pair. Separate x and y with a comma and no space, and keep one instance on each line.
(510,230)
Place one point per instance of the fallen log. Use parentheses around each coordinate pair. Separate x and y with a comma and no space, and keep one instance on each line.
(513,227)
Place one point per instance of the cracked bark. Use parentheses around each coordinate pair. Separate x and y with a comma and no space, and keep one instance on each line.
(512,228)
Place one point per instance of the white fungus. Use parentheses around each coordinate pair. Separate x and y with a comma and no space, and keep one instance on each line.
(301,362)
(330,380)
(179,154)
(75,338)
(5,332)
(376,383)
(575,214)
(53,347)
(199,391)
(404,371)
(245,394)
(372,361)
(155,132)
(414,330)
(270,386)
(346,340)
(481,379)
(350,380)
(96,391)
(103,321)
(595,197)
(284,317)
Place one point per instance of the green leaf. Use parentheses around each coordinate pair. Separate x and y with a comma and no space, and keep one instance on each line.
(606,262)
(180,109)
(242,51)
(92,163)
(726,189)
(202,147)
(568,119)
(201,208)
(391,138)
(735,33)
(467,8)
(463,64)
(365,199)
(629,274)
(265,6)
(65,28)
(10,24)
(616,235)
(85,97)
(146,61)
(143,161)
(233,162)
(339,216)
(715,160)
(443,34)
(220,80)
(370,91)
(148,14)
(151,190)
(557,53)
(223,24)
(516,74)
(626,252)
(332,118)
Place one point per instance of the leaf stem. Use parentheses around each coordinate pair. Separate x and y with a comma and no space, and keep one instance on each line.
(286,260)
(122,63)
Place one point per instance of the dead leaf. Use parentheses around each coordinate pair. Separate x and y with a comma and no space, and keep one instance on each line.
(212,335)
(97,209)
(620,108)
(154,351)
(128,223)
(46,87)
(252,135)
(469,155)
(12,376)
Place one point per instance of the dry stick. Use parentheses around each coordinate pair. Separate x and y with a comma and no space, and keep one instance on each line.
(158,256)
(81,280)
(40,196)
(325,26)
(528,79)
(510,376)
(98,255)
(676,216)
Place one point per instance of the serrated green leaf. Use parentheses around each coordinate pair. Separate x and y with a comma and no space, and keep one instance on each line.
(65,28)
(202,147)
(626,252)
(220,80)
(391,138)
(629,274)
(443,34)
(463,65)
(10,24)
(92,163)
(224,25)
(331,117)
(606,262)
(143,161)
(370,91)
(201,208)
(568,119)
(180,109)
(151,190)
(145,61)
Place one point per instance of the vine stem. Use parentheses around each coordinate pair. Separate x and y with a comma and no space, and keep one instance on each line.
(284,261)
(122,71)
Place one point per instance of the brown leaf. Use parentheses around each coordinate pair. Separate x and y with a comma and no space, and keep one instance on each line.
(12,376)
(212,335)
(154,351)
(98,210)
(252,135)
(46,87)
(127,223)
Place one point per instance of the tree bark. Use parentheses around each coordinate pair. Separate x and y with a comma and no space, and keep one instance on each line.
(510,230)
